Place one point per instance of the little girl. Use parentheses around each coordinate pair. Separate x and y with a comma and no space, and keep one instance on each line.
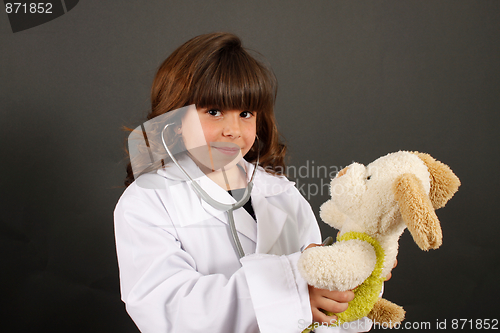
(179,271)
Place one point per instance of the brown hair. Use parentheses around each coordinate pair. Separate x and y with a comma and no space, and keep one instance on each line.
(214,70)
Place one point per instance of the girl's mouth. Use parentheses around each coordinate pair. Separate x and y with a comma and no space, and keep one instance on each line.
(227,150)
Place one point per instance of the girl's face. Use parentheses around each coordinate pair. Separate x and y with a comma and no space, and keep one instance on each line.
(218,138)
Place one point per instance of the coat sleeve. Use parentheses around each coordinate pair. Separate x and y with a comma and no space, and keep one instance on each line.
(163,292)
(276,286)
(287,295)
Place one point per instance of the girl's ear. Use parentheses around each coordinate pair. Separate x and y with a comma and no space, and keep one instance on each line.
(417,211)
(178,129)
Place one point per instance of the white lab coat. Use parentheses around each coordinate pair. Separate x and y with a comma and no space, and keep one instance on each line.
(179,271)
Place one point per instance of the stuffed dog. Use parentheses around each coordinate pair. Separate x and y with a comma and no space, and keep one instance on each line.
(371,206)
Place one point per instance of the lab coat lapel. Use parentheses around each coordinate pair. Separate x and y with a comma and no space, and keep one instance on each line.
(192,210)
(244,223)
(270,218)
(270,222)
(188,206)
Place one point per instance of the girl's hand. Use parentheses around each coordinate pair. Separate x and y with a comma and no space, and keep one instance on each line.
(388,277)
(331,301)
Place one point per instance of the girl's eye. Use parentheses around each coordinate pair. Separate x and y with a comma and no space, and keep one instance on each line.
(246,114)
(214,112)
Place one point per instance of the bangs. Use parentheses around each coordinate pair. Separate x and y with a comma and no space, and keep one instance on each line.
(233,80)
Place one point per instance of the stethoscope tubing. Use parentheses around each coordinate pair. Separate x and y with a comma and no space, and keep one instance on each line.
(229,208)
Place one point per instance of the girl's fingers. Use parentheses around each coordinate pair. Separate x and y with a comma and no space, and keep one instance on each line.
(322,318)
(388,277)
(329,301)
(331,305)
(338,296)
(311,245)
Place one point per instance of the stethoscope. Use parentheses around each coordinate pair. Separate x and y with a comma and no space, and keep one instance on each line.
(229,208)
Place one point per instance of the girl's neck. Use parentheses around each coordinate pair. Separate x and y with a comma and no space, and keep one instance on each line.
(231,179)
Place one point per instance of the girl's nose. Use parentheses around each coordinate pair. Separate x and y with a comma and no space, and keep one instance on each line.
(232,125)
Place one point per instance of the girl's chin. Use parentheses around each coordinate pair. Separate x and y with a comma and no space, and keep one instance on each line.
(216,163)
(216,156)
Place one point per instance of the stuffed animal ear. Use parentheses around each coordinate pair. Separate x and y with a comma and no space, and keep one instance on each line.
(342,172)
(418,212)
(444,183)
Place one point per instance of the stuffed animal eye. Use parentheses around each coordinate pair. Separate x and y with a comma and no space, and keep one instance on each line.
(368,178)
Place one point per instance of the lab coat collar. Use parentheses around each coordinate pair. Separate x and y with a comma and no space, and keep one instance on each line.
(182,197)
(171,171)
(264,183)
(271,218)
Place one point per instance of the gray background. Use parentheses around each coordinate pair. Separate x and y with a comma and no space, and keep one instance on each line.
(358,79)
